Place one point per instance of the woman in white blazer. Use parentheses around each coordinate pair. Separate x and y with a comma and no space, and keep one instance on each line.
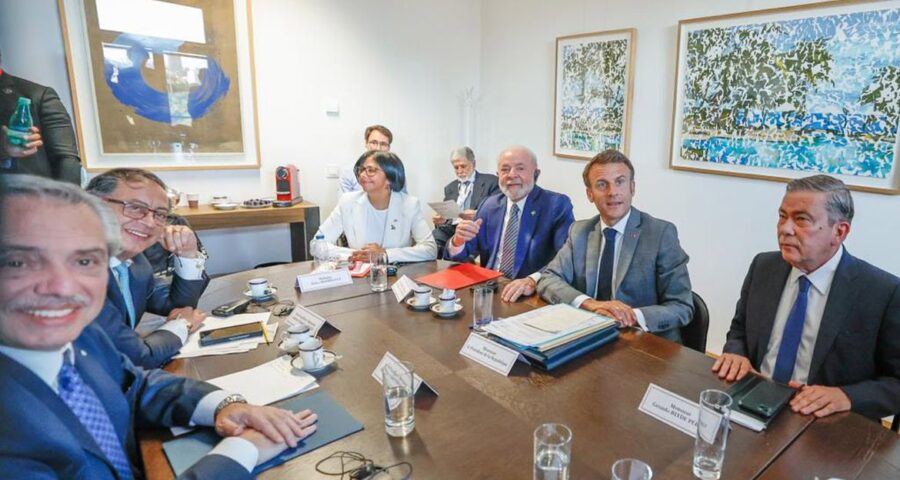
(380,218)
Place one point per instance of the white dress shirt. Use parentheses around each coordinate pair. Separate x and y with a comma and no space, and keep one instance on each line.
(619,227)
(463,199)
(47,364)
(820,281)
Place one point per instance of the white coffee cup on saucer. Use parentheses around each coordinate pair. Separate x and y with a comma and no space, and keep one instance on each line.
(299,331)
(422,295)
(259,287)
(313,353)
(448,301)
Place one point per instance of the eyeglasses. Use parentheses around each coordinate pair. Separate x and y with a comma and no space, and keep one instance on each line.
(137,211)
(369,171)
(376,145)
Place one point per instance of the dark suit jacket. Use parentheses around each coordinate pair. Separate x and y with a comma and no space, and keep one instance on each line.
(858,347)
(542,231)
(651,273)
(158,347)
(58,158)
(484,186)
(40,437)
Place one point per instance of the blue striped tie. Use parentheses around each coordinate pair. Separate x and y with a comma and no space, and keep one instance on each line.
(508,262)
(790,337)
(123,280)
(84,403)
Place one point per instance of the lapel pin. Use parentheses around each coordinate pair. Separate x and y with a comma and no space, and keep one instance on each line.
(533,213)
(83,353)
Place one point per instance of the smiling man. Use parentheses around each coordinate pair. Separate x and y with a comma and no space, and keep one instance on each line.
(71,400)
(815,317)
(622,263)
(518,230)
(138,199)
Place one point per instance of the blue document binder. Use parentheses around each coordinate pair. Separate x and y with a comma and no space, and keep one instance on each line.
(334,423)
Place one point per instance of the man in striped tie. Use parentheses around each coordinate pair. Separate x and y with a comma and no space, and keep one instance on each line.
(70,400)
(518,230)
(815,317)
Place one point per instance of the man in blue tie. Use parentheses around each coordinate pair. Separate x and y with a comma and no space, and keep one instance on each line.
(518,230)
(622,263)
(815,317)
(138,198)
(71,401)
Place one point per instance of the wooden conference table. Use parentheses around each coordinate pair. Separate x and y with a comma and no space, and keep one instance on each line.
(481,424)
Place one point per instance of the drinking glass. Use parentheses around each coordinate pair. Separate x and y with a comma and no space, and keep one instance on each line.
(482,301)
(552,451)
(398,382)
(378,274)
(631,469)
(712,433)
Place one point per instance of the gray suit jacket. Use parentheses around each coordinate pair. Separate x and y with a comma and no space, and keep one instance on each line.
(651,273)
(484,186)
(858,347)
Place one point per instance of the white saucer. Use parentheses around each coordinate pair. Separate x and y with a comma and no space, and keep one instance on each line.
(270,292)
(436,308)
(415,306)
(225,206)
(328,359)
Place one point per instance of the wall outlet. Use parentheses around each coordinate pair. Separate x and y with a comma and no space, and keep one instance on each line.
(332,171)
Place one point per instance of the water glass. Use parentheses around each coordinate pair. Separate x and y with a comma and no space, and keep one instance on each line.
(482,302)
(398,382)
(552,451)
(631,469)
(378,274)
(712,434)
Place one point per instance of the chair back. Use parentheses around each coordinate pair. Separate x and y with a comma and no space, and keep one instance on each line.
(693,335)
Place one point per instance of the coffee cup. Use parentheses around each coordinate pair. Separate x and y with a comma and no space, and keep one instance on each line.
(422,295)
(312,353)
(290,343)
(448,302)
(299,331)
(259,287)
(219,199)
(193,200)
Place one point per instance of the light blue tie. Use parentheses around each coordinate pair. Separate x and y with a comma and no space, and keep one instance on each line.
(123,280)
(791,336)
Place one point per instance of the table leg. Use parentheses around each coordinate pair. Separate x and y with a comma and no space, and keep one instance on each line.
(302,233)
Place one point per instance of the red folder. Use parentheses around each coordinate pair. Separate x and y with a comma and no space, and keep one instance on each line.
(459,276)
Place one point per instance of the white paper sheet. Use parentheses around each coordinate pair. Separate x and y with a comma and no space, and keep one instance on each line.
(192,347)
(448,209)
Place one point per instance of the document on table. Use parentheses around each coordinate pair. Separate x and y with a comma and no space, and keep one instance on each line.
(547,324)
(192,347)
(264,384)
(448,209)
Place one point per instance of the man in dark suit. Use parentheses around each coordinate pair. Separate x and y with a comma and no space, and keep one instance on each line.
(517,231)
(469,189)
(623,263)
(71,401)
(52,150)
(815,317)
(138,198)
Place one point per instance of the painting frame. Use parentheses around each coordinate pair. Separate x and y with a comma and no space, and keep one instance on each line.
(627,86)
(890,184)
(86,113)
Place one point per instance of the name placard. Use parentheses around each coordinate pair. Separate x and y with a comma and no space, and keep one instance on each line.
(311,282)
(402,288)
(390,362)
(304,316)
(498,358)
(671,409)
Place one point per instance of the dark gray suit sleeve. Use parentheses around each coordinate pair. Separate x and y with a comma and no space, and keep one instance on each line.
(151,351)
(675,304)
(736,339)
(555,285)
(180,293)
(219,467)
(59,138)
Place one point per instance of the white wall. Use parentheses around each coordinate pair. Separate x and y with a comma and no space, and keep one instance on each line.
(723,222)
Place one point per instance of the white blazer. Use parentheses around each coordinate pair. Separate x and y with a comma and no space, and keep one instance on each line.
(408,237)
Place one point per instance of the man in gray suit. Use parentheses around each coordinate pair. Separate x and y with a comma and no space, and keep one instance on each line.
(815,317)
(621,263)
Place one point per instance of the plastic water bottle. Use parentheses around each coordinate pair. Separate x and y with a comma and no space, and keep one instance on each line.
(20,123)
(318,248)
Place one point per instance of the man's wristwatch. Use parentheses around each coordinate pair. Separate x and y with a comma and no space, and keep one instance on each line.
(233,398)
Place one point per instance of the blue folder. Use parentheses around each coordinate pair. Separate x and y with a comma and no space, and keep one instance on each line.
(334,423)
(564,353)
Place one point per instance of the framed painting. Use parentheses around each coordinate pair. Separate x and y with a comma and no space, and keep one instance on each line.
(162,84)
(594,77)
(791,92)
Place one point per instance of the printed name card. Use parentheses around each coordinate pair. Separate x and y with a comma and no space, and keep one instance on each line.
(498,358)
(671,409)
(392,363)
(304,316)
(402,288)
(311,282)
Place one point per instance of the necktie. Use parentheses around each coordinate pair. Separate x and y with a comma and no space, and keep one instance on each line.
(510,237)
(790,338)
(123,280)
(463,197)
(607,259)
(84,403)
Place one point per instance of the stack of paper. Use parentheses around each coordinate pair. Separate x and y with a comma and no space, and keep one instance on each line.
(192,347)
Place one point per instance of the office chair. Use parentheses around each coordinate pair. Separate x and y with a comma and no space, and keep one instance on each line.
(693,335)
(896,425)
